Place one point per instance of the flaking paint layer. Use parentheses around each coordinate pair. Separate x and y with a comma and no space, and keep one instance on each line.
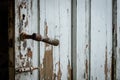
(105,66)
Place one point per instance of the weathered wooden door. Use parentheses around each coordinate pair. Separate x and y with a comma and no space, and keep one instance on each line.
(89,40)
(38,60)
(26,51)
(98,40)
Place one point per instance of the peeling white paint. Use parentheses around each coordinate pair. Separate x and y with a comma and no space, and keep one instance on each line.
(29,25)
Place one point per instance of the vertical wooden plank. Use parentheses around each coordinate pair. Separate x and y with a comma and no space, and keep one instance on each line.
(101,39)
(46,29)
(26,51)
(65,39)
(11,39)
(118,40)
(83,39)
(34,29)
(55,22)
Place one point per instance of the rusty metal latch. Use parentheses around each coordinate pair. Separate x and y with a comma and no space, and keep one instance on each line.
(28,69)
(38,37)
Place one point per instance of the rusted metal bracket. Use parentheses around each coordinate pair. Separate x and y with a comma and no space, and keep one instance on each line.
(38,37)
(26,69)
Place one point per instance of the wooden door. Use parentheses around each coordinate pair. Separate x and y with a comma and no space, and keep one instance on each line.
(37,60)
(89,40)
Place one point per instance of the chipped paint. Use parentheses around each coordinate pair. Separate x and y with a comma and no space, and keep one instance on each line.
(47,67)
(59,73)
(48,63)
(69,71)
(41,72)
(23,6)
(106,65)
(24,58)
(29,53)
(24,44)
(87,68)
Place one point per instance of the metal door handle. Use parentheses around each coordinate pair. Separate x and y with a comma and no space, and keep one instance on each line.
(38,37)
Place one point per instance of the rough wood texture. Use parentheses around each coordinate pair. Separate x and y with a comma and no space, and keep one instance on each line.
(83,39)
(55,22)
(89,39)
(26,51)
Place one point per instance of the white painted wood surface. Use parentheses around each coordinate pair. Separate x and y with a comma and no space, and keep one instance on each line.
(118,40)
(52,18)
(29,24)
(55,15)
(83,34)
(101,39)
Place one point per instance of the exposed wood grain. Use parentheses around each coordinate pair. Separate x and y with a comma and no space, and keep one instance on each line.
(56,15)
(83,39)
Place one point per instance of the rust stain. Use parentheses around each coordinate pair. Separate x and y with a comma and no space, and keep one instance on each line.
(59,73)
(105,66)
(29,53)
(69,71)
(86,64)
